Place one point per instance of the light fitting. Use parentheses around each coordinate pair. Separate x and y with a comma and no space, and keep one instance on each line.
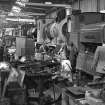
(20,3)
(102,11)
(48,2)
(22,0)
(21,20)
(11,14)
(68,11)
(16,9)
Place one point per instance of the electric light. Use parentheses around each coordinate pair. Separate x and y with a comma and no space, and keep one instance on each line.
(16,9)
(20,3)
(102,11)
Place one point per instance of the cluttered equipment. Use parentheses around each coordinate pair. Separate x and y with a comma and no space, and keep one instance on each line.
(18,83)
(39,75)
(87,34)
(28,79)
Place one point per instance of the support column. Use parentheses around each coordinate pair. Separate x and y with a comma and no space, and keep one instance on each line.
(79,5)
(98,5)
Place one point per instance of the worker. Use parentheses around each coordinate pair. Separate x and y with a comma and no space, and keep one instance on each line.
(99,61)
(1,50)
(65,63)
(71,54)
(5,55)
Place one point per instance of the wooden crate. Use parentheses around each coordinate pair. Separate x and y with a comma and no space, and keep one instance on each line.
(4,101)
(93,101)
(84,63)
(69,96)
(17,96)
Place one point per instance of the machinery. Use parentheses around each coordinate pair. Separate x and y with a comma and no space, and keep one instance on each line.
(24,46)
(91,36)
(88,32)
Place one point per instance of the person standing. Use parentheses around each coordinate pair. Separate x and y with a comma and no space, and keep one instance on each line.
(71,54)
(99,60)
(1,50)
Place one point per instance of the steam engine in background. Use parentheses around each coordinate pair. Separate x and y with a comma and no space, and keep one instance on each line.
(87,31)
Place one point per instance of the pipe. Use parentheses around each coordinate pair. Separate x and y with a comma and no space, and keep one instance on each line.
(48,5)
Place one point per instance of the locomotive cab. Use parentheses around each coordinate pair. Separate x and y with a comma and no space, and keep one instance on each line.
(91,36)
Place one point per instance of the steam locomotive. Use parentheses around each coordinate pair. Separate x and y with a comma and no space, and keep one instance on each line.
(88,32)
